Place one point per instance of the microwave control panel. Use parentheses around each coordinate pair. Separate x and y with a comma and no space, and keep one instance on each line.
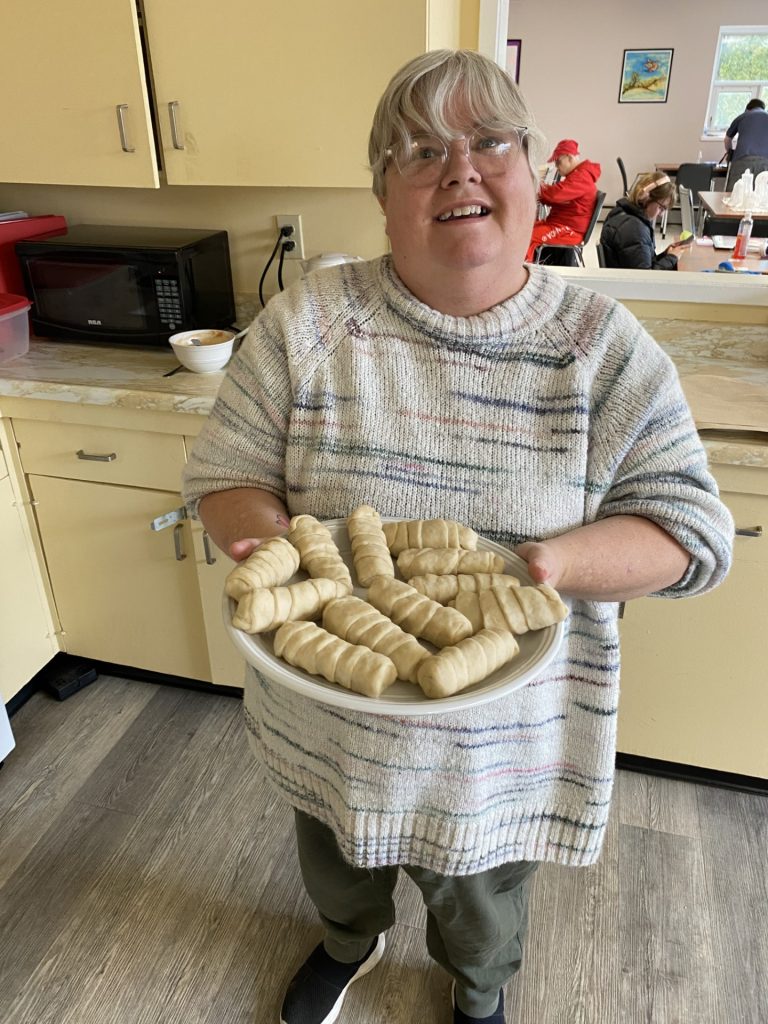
(168,302)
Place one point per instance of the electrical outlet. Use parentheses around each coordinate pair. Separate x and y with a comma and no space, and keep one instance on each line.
(292,220)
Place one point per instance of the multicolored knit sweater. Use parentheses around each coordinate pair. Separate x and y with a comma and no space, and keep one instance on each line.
(549,411)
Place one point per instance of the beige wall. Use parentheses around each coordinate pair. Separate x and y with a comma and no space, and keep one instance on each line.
(571,65)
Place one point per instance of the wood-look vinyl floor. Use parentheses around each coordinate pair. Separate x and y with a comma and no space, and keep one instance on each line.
(148,876)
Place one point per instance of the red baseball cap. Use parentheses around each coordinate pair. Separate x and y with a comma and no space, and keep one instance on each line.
(565,147)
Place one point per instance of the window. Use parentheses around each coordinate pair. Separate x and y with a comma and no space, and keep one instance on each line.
(740,74)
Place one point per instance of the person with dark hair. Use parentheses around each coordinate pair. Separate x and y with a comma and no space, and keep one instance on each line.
(450,379)
(571,199)
(627,237)
(750,153)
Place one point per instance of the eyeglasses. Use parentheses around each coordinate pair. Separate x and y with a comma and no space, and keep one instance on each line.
(422,161)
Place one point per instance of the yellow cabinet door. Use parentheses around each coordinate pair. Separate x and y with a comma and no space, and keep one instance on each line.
(284,93)
(27,640)
(71,75)
(694,678)
(124,593)
(227,665)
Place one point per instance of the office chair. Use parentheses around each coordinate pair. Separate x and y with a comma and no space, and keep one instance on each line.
(575,251)
(601,260)
(687,215)
(623,172)
(696,177)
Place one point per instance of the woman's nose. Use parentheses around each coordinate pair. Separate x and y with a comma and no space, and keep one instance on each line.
(458,166)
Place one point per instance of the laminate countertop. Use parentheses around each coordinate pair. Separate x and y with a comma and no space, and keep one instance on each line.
(723,369)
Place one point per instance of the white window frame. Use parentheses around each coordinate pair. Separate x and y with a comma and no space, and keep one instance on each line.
(718,86)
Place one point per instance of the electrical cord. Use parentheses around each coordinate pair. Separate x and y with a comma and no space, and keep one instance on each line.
(284,246)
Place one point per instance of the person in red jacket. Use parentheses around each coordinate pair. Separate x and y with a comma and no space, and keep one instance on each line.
(571,199)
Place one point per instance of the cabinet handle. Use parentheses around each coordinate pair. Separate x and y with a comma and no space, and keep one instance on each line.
(173,107)
(178,539)
(210,558)
(127,147)
(96,458)
(756,531)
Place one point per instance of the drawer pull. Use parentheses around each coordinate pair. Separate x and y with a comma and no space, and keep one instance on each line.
(96,458)
(210,558)
(178,542)
(756,531)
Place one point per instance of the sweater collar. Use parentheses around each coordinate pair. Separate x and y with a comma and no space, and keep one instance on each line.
(528,310)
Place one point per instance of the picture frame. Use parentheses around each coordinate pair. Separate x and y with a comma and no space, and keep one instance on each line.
(645,76)
(514,47)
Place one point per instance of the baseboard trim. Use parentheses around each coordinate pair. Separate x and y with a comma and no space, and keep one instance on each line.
(692,773)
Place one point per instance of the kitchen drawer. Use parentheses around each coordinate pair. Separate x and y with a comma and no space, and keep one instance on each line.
(101,454)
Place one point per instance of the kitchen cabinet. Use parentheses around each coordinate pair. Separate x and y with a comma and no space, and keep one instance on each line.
(124,593)
(694,677)
(246,93)
(227,667)
(73,77)
(27,628)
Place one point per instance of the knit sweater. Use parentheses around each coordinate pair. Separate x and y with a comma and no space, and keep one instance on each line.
(546,412)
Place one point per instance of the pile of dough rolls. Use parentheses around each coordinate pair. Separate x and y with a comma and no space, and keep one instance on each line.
(454,597)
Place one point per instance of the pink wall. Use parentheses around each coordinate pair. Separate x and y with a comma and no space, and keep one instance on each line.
(571,66)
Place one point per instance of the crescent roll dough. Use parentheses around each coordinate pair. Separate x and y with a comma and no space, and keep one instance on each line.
(369,546)
(441,561)
(307,646)
(512,608)
(359,623)
(260,610)
(416,614)
(318,554)
(271,564)
(429,533)
(455,668)
(444,588)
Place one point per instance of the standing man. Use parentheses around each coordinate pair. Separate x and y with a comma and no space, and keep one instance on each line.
(751,150)
(571,199)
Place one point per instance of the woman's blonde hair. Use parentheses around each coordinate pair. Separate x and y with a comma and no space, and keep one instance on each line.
(651,188)
(431,91)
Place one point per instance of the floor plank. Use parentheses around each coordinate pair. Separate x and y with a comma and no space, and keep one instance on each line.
(148,876)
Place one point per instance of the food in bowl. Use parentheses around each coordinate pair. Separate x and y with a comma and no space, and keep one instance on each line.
(203,351)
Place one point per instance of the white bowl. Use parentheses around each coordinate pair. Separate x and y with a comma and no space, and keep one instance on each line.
(203,351)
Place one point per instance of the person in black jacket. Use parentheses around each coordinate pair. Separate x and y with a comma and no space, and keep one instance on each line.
(627,237)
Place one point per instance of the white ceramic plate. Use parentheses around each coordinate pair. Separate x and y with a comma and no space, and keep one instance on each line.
(537,650)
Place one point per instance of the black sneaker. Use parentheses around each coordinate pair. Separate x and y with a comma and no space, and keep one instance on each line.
(459,1017)
(317,990)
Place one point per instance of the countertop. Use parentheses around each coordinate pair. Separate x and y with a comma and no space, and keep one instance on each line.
(723,369)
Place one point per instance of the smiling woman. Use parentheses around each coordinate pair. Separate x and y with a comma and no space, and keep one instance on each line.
(449,380)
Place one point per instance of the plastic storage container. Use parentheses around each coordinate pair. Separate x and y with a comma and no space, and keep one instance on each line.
(14,326)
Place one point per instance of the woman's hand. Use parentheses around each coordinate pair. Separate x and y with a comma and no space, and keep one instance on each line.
(239,550)
(615,559)
(240,519)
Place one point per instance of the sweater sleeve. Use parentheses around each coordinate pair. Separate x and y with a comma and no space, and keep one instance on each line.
(646,458)
(242,443)
(564,191)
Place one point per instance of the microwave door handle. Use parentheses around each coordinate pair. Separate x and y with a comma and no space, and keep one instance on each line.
(126,146)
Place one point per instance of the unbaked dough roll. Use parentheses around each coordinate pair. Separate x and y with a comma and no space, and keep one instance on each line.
(416,614)
(370,553)
(260,610)
(445,588)
(514,608)
(318,553)
(455,668)
(360,623)
(271,565)
(441,561)
(429,533)
(315,650)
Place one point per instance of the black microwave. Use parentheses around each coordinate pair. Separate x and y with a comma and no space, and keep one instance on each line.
(128,285)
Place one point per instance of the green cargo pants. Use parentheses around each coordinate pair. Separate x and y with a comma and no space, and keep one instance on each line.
(475,923)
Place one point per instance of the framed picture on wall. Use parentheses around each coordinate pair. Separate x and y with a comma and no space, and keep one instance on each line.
(645,76)
(513,59)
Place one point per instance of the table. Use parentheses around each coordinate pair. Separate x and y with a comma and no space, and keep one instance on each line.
(722,220)
(718,171)
(706,257)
